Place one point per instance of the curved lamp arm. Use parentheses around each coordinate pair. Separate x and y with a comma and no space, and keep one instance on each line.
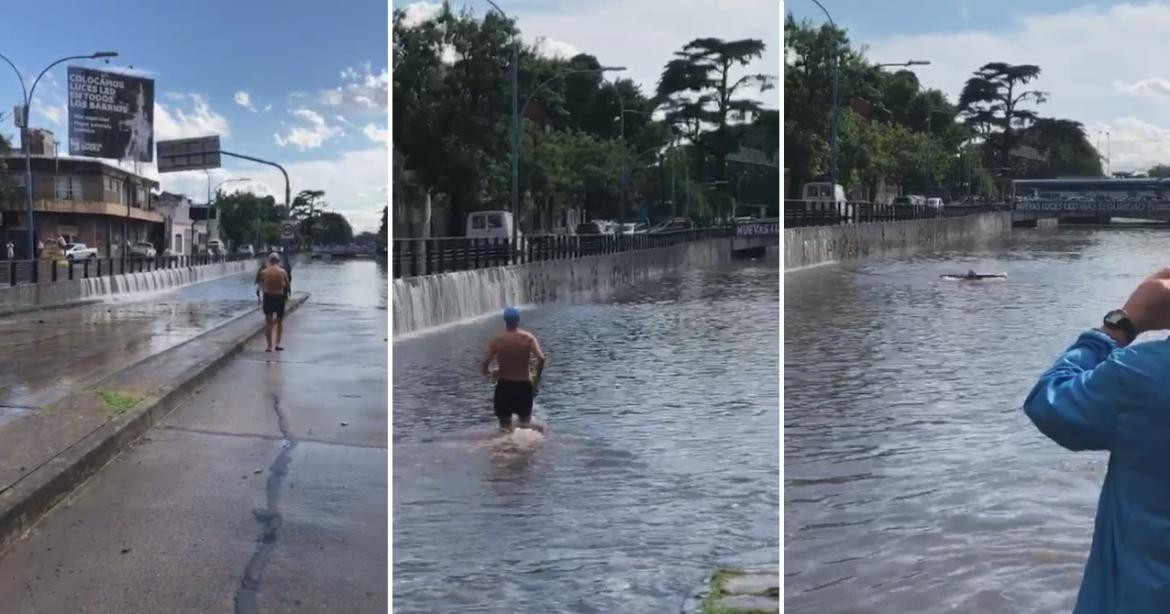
(19,76)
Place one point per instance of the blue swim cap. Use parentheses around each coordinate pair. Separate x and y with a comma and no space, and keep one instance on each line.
(511,317)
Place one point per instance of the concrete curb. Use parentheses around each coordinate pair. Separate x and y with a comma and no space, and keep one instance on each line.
(37,492)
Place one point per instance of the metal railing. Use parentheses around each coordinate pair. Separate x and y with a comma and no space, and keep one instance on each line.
(416,257)
(21,272)
(799,213)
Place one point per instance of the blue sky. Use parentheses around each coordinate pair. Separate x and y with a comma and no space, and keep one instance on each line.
(1102,63)
(298,81)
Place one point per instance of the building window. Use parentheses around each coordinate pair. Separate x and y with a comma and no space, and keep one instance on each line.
(178,244)
(115,187)
(68,187)
(140,197)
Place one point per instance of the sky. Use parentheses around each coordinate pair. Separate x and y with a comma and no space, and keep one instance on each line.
(1103,64)
(282,80)
(641,35)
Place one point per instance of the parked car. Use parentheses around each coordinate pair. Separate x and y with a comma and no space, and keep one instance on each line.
(935,203)
(215,247)
(591,228)
(673,225)
(142,249)
(490,225)
(79,251)
(246,250)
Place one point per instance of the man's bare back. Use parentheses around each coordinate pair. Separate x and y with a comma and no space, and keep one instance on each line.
(513,350)
(273,280)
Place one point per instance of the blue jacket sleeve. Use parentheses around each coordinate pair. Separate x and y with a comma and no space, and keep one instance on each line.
(1075,402)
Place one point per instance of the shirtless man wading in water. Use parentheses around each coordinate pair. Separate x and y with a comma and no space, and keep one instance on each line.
(273,282)
(512,349)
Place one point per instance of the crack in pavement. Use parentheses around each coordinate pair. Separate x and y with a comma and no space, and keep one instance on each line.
(270,518)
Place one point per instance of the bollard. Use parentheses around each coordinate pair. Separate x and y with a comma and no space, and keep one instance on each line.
(12,272)
(70,270)
(413,258)
(85,269)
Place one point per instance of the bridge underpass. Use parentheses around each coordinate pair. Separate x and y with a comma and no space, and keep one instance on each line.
(1102,211)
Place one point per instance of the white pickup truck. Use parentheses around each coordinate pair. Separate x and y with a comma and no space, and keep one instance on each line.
(78,251)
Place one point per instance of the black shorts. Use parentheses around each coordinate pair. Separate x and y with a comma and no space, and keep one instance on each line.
(513,398)
(274,304)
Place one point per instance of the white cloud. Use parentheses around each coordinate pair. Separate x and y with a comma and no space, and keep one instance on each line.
(1087,59)
(180,121)
(419,12)
(376,134)
(311,136)
(551,48)
(244,99)
(364,91)
(355,183)
(267,108)
(53,113)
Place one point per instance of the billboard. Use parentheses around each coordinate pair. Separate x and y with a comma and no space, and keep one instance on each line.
(111,115)
(188,154)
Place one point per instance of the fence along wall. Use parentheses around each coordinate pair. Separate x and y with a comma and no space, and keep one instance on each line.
(811,246)
(427,301)
(53,294)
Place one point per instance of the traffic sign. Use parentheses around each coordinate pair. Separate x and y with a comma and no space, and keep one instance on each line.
(288,230)
(188,154)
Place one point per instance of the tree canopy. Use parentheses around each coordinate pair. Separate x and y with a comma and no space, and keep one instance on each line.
(589,140)
(897,133)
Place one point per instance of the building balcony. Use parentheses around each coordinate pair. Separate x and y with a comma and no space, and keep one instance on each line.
(87,207)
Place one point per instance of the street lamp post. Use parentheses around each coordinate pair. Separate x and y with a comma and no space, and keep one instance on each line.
(24,133)
(833,108)
(515,77)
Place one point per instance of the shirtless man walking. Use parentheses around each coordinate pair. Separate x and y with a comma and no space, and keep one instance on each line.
(512,348)
(273,282)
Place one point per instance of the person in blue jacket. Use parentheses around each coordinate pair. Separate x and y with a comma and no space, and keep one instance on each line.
(1106,394)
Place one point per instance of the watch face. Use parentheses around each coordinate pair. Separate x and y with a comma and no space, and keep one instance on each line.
(1114,318)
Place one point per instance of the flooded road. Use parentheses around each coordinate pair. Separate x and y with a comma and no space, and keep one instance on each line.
(61,349)
(266,491)
(913,480)
(660,463)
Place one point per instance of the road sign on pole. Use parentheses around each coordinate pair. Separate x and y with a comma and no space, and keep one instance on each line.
(188,154)
(288,230)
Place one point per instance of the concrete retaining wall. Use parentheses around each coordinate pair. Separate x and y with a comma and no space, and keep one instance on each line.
(62,293)
(811,246)
(433,300)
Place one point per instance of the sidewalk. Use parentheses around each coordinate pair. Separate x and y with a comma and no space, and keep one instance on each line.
(266,491)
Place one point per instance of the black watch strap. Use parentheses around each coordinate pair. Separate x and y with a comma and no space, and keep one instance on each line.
(1118,320)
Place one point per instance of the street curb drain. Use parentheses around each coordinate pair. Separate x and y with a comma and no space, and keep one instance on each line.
(32,496)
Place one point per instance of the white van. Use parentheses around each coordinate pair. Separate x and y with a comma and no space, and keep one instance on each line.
(490,225)
(825,196)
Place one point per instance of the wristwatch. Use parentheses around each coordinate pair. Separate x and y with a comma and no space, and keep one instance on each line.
(1118,320)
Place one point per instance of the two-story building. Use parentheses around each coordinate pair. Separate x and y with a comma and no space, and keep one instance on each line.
(84,200)
(182,233)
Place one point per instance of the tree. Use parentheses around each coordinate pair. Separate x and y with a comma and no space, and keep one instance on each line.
(305,209)
(701,90)
(991,102)
(1159,170)
(245,217)
(1064,144)
(333,229)
(382,230)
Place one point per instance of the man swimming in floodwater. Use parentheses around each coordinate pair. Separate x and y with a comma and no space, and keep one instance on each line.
(972,275)
(512,350)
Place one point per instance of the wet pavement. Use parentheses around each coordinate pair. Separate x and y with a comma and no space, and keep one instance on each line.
(266,492)
(64,349)
(660,463)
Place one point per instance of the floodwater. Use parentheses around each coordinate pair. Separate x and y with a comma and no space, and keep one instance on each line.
(44,355)
(913,481)
(660,463)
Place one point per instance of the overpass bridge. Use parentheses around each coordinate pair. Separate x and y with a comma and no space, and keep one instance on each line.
(1097,210)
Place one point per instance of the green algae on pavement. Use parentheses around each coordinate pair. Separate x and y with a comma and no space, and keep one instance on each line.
(721,600)
(118,403)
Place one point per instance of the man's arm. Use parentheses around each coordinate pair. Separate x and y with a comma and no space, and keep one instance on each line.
(539,357)
(488,355)
(1075,403)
